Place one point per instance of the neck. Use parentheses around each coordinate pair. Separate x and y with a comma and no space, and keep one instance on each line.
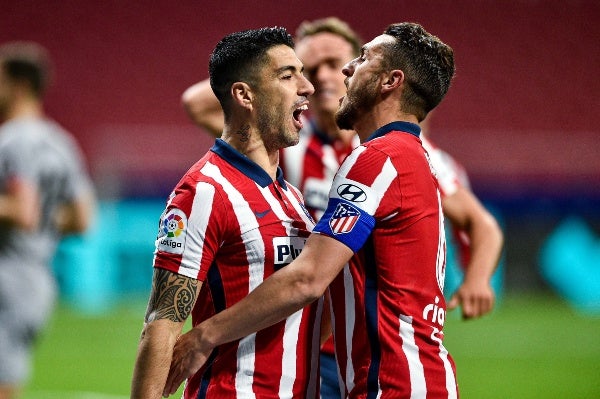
(379,116)
(25,108)
(247,140)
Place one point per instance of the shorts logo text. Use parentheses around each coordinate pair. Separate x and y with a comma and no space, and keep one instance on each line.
(435,313)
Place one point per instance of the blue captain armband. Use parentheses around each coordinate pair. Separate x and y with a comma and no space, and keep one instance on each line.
(346,222)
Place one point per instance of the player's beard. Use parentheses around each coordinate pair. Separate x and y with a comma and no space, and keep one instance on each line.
(358,101)
(275,124)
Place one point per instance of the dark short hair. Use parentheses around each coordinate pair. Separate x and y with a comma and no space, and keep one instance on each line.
(330,25)
(427,63)
(239,56)
(26,62)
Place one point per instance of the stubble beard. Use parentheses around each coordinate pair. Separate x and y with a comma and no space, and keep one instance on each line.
(275,133)
(354,106)
(346,115)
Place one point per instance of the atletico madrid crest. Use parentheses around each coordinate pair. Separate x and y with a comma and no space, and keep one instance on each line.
(343,219)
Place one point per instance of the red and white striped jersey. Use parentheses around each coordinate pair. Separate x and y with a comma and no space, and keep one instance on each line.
(388,304)
(229,225)
(451,175)
(311,165)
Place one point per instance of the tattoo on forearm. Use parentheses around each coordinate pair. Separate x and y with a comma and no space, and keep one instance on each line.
(243,132)
(172,296)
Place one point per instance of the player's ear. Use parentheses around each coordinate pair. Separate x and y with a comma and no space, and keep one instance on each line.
(392,80)
(242,94)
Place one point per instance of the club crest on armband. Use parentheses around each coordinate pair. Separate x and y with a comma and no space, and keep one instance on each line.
(344,218)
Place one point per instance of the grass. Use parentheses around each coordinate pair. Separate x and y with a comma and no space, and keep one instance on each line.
(532,346)
(79,355)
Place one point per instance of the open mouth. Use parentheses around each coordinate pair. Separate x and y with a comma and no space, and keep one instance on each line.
(296,114)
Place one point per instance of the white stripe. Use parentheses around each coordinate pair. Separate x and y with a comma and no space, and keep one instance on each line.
(313,381)
(289,357)
(255,250)
(196,229)
(255,247)
(375,192)
(379,391)
(245,367)
(350,308)
(298,208)
(440,262)
(292,323)
(411,351)
(347,222)
(384,180)
(350,161)
(450,379)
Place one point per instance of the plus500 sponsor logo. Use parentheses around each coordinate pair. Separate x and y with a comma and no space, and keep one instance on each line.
(286,249)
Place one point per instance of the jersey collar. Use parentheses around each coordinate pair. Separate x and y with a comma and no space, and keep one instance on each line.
(396,126)
(245,165)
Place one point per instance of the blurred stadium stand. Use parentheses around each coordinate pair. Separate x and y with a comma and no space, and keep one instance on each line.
(522,116)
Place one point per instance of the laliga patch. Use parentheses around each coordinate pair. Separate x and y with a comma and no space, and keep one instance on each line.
(172,232)
(343,219)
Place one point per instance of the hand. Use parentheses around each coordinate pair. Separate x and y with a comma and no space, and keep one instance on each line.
(188,356)
(475,298)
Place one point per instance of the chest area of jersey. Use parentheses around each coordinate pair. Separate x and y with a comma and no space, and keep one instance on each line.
(269,232)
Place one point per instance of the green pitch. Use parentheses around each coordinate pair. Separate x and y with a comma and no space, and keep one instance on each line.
(532,346)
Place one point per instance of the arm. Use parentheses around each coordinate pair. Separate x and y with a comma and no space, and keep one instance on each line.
(171,301)
(76,216)
(464,210)
(280,295)
(19,205)
(203,108)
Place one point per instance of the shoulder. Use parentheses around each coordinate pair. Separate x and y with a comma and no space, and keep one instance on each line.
(393,145)
(204,179)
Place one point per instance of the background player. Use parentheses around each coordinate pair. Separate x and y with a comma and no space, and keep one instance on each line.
(45,192)
(478,236)
(230,223)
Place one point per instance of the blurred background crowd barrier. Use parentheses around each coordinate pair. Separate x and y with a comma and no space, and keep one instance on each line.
(112,263)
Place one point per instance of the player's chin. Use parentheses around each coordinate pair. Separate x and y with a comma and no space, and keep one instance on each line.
(292,137)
